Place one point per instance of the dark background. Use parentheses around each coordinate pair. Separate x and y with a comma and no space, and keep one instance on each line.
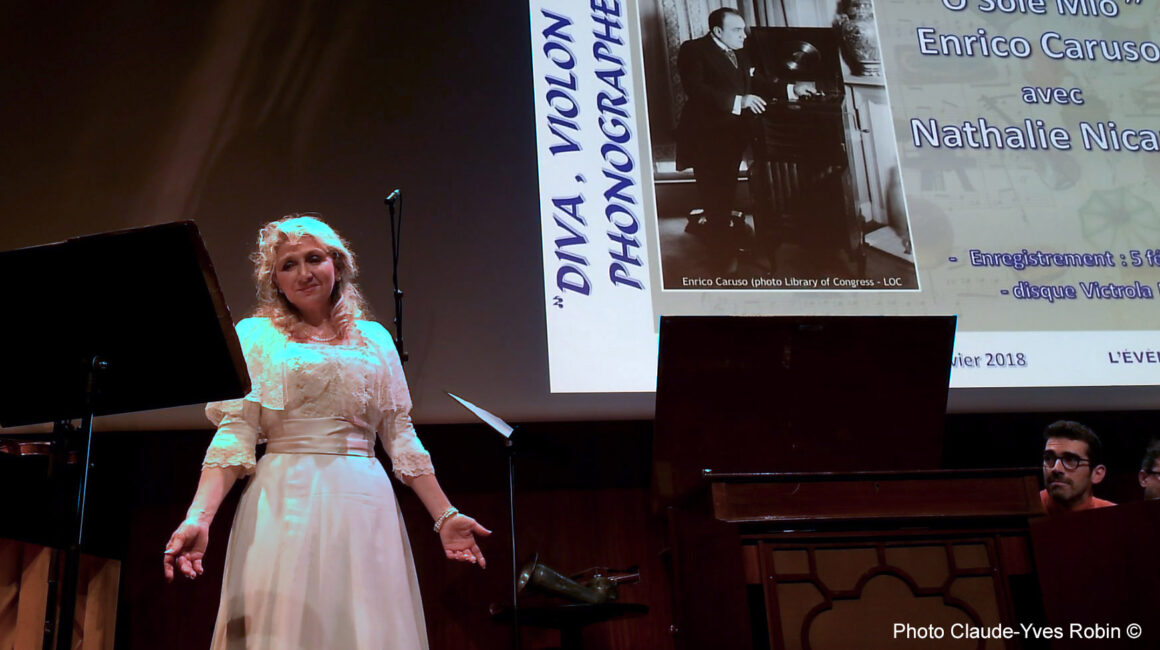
(234,113)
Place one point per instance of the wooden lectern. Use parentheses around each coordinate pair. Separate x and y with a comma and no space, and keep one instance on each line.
(797,462)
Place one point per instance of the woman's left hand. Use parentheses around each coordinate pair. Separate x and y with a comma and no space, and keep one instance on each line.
(458,536)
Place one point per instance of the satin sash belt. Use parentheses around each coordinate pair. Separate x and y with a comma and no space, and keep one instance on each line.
(321,436)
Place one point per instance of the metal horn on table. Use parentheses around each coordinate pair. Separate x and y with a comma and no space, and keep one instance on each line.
(546,579)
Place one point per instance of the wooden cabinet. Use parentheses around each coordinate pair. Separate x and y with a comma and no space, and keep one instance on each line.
(834,560)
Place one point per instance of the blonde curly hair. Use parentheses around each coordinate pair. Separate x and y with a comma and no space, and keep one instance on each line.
(347,303)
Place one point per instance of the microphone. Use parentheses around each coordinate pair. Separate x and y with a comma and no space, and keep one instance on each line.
(393,196)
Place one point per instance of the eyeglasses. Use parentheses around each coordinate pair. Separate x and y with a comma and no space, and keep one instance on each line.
(1152,472)
(1070,461)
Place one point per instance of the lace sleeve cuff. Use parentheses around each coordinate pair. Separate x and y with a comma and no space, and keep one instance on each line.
(232,446)
(240,460)
(408,456)
(410,464)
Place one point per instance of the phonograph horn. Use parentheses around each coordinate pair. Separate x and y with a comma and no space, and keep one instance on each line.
(548,580)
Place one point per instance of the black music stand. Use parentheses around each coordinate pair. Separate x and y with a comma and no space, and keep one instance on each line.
(506,430)
(117,322)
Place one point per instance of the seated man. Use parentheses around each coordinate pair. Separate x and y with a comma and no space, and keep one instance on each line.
(1150,471)
(1072,464)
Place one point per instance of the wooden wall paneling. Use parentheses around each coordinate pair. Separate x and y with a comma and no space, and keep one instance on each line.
(96,614)
(24,575)
(23,593)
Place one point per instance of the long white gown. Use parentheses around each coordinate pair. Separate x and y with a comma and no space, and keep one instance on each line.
(318,555)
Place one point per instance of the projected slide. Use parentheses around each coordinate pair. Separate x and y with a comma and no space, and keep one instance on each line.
(994,159)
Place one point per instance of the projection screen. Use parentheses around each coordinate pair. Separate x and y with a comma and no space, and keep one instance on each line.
(993,159)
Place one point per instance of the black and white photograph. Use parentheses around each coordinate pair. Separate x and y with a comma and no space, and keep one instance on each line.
(774,157)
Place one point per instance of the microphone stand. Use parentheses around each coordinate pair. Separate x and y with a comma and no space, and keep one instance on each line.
(396,235)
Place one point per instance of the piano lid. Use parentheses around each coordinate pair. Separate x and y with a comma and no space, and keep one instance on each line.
(798,394)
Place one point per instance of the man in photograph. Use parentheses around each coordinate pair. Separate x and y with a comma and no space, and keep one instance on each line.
(1150,471)
(715,124)
(1072,464)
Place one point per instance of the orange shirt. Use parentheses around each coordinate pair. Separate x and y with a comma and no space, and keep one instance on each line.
(1054,508)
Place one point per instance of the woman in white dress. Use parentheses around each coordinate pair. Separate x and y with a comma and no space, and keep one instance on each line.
(318,555)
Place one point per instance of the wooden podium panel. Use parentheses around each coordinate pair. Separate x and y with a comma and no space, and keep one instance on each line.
(826,594)
(838,557)
(841,557)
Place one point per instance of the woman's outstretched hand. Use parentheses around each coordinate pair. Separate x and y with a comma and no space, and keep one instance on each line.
(458,536)
(185,550)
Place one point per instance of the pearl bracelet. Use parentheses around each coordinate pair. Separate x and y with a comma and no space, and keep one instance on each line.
(447,514)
